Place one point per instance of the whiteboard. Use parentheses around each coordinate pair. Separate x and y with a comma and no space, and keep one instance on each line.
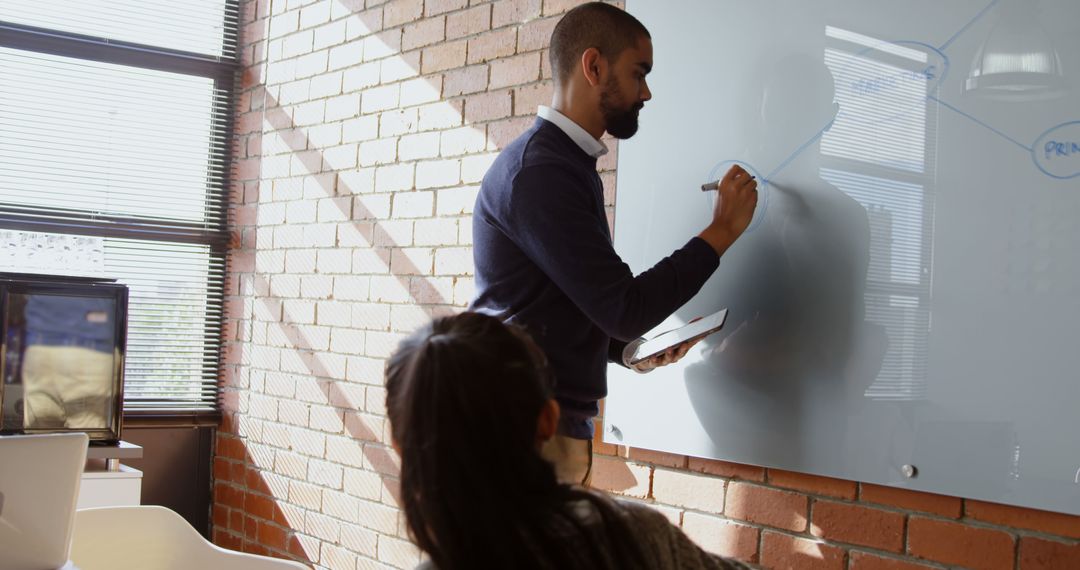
(904,307)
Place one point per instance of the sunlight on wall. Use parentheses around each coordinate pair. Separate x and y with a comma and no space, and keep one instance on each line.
(365,171)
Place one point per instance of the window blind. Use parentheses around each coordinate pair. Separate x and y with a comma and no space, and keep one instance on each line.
(206,27)
(115,122)
(880,152)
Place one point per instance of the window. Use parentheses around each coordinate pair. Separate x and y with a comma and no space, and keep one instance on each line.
(114,162)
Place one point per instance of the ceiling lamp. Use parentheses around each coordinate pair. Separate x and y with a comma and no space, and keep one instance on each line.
(1017,62)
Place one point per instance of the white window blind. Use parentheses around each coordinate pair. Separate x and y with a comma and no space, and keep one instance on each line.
(881,152)
(205,27)
(115,121)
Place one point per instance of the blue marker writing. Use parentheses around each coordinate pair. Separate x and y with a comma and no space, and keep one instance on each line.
(1054,149)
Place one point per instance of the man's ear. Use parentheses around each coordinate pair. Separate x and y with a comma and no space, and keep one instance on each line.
(593,65)
(548,422)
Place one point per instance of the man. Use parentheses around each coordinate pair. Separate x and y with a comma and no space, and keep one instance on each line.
(542,247)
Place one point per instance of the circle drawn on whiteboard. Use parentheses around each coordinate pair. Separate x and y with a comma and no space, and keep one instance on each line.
(718,173)
(1057,151)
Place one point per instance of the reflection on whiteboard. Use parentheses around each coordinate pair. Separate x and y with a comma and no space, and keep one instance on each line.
(909,261)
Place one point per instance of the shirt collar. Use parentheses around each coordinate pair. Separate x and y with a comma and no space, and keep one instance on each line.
(591,146)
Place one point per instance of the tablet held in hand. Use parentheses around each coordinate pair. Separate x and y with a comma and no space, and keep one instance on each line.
(699,328)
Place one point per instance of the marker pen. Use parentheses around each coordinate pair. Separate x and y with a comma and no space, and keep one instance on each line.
(716,185)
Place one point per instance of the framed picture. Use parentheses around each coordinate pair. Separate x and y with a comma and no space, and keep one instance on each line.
(62,357)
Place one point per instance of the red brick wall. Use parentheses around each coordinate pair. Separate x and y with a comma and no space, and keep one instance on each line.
(363,131)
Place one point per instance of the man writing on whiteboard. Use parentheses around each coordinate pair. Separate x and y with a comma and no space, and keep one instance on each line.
(542,246)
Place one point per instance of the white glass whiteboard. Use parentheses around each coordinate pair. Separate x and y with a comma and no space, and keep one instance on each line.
(908,293)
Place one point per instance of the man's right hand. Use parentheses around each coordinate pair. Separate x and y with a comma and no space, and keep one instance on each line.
(734,209)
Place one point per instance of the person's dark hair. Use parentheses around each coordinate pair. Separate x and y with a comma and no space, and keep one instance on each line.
(464,395)
(593,25)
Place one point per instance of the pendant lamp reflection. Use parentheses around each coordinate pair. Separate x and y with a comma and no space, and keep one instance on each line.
(1017,62)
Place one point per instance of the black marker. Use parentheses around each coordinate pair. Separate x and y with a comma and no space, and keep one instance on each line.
(716,185)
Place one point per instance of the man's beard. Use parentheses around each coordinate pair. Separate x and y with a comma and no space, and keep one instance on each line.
(621,123)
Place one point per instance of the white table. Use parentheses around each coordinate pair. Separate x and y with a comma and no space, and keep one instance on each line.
(108,483)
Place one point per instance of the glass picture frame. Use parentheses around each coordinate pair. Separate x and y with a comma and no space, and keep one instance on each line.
(62,355)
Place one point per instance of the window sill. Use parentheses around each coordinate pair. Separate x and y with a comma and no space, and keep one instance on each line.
(164,419)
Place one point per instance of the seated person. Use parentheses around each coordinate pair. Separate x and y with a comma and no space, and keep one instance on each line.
(470,404)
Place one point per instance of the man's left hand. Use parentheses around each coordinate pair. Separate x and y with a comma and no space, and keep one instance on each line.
(669,356)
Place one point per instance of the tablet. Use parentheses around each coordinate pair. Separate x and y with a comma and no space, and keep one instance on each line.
(699,328)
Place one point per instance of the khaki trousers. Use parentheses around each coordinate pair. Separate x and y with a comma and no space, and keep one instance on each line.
(572,459)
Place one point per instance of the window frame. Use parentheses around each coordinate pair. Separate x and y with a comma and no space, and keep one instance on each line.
(214,232)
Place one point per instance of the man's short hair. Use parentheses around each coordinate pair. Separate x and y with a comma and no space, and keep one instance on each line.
(593,25)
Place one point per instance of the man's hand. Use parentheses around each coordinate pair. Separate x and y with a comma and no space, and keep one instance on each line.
(669,356)
(734,209)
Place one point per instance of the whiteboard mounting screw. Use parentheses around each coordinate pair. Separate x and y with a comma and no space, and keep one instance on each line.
(910,471)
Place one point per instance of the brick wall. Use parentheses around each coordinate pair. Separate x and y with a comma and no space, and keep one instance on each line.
(363,131)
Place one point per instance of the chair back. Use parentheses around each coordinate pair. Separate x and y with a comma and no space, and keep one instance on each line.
(39,487)
(154,538)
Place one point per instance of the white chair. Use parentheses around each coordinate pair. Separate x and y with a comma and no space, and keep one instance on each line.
(154,538)
(39,483)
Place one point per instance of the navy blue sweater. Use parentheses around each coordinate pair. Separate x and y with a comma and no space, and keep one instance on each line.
(545,261)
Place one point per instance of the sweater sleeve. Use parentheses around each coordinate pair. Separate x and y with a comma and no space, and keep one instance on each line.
(667,546)
(553,219)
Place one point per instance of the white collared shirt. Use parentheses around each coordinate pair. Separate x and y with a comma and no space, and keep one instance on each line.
(591,146)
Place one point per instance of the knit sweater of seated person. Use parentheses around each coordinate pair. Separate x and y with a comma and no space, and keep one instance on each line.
(663,546)
(545,261)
